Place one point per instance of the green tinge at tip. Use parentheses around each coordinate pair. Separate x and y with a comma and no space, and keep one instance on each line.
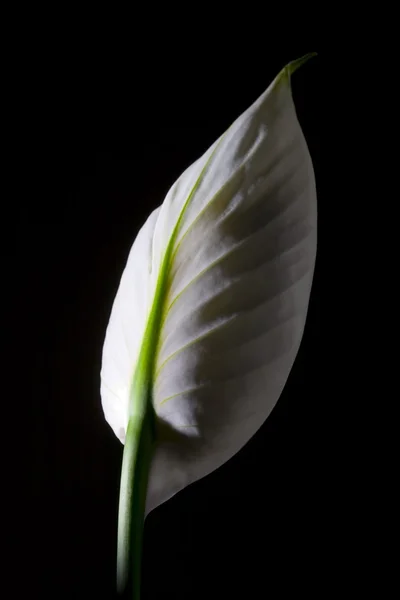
(295,64)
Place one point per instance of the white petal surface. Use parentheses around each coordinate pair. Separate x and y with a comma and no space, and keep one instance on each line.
(237,293)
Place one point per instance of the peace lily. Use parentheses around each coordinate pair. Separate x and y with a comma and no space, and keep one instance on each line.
(210,311)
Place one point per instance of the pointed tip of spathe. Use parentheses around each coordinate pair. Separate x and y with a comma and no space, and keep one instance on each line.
(296,64)
(287,71)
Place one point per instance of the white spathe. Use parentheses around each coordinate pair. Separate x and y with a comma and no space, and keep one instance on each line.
(239,283)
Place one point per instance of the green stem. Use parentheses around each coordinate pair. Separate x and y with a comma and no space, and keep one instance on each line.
(134,478)
(140,435)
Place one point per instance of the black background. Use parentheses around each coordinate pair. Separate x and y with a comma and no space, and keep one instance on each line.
(105,140)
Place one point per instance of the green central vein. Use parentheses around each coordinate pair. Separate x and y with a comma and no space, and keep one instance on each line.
(140,435)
